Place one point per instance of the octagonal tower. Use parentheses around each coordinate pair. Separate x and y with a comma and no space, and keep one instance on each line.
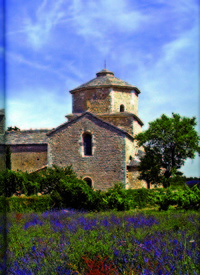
(110,99)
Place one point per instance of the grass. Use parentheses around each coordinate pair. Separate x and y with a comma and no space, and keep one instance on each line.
(133,242)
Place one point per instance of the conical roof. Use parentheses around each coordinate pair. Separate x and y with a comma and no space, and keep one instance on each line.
(105,78)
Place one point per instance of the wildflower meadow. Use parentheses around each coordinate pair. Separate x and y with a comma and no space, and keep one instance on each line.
(80,242)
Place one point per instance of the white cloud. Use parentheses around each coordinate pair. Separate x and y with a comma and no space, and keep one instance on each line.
(46,18)
(98,20)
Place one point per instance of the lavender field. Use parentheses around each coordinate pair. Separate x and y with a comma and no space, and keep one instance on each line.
(71,242)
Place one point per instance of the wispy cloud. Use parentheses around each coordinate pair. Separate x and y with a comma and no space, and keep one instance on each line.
(46,17)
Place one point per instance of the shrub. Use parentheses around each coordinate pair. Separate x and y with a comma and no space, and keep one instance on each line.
(51,177)
(11,182)
(118,198)
(184,199)
(74,193)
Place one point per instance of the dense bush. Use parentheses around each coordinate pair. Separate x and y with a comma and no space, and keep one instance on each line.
(74,193)
(142,197)
(28,204)
(183,199)
(11,182)
(116,198)
(177,182)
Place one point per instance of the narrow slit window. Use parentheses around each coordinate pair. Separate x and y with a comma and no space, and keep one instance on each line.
(87,143)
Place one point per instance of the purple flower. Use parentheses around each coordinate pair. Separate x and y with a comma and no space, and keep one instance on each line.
(34,222)
(116,253)
(105,223)
(34,249)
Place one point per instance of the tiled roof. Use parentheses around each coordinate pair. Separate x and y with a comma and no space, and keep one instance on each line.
(106,78)
(26,137)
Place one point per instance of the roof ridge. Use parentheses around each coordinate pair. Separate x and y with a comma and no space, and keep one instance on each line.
(85,113)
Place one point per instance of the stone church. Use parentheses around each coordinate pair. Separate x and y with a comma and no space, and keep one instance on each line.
(97,139)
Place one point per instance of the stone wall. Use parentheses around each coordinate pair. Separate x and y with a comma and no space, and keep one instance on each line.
(93,100)
(130,150)
(126,97)
(134,182)
(137,128)
(120,120)
(28,157)
(104,100)
(107,163)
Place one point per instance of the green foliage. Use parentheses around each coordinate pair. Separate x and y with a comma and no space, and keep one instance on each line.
(150,167)
(27,204)
(50,178)
(2,204)
(32,188)
(11,182)
(187,199)
(172,140)
(118,199)
(190,198)
(77,194)
(67,191)
(177,182)
(142,197)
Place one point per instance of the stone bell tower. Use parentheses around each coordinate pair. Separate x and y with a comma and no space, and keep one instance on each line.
(109,98)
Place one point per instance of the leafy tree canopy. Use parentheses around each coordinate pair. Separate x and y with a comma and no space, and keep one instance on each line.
(170,141)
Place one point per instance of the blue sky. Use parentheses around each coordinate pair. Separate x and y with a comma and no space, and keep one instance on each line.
(55,46)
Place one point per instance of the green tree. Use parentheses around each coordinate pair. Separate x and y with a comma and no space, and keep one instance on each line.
(150,167)
(171,140)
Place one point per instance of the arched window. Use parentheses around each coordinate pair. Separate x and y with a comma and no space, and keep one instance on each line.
(121,108)
(88,181)
(87,144)
(130,158)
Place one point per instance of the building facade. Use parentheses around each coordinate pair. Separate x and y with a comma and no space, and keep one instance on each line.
(97,139)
